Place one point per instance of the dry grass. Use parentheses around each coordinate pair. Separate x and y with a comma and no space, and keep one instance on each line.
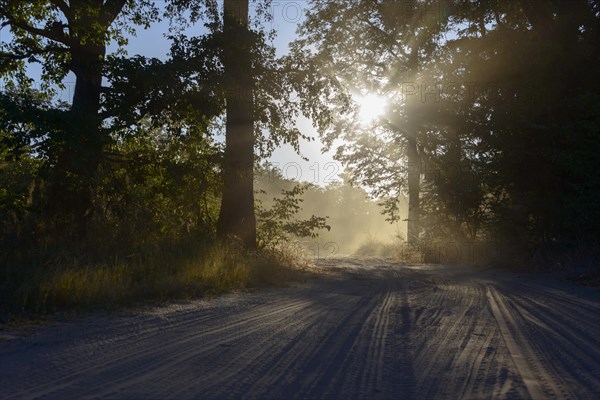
(44,288)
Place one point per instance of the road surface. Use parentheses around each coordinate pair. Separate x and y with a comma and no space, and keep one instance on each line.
(366,328)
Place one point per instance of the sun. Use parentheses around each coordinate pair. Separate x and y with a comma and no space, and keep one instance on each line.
(371,107)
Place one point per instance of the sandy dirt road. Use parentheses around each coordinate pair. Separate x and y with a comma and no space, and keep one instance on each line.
(367,329)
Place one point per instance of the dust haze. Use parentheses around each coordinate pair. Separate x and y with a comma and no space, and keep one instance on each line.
(358,226)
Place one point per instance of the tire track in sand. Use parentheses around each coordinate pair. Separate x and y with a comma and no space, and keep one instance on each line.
(535,374)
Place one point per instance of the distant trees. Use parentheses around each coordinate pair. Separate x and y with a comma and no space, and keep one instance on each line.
(320,221)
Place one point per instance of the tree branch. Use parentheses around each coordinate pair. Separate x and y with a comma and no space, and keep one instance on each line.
(63,7)
(33,52)
(402,56)
(55,34)
(111,10)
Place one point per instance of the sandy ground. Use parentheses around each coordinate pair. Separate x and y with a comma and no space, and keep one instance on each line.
(367,329)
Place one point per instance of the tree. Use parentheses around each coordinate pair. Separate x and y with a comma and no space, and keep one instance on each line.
(237,206)
(238,74)
(381,47)
(69,37)
(482,104)
(535,128)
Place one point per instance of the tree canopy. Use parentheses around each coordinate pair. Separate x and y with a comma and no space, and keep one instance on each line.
(484,96)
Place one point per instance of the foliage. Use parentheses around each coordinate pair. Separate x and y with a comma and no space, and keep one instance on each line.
(277,225)
(44,31)
(354,218)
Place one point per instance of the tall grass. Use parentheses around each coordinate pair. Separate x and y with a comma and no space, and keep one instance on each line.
(46,286)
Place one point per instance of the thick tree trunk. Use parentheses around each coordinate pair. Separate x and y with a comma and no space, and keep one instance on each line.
(236,218)
(81,149)
(86,105)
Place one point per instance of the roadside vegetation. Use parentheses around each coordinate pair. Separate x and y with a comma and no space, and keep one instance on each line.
(48,284)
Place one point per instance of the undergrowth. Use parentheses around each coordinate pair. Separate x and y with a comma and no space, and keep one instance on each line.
(43,285)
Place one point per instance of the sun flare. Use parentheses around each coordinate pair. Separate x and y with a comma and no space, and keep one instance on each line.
(371,107)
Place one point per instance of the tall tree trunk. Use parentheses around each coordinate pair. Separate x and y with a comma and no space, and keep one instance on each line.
(81,149)
(414,182)
(236,218)
(456,184)
(412,155)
